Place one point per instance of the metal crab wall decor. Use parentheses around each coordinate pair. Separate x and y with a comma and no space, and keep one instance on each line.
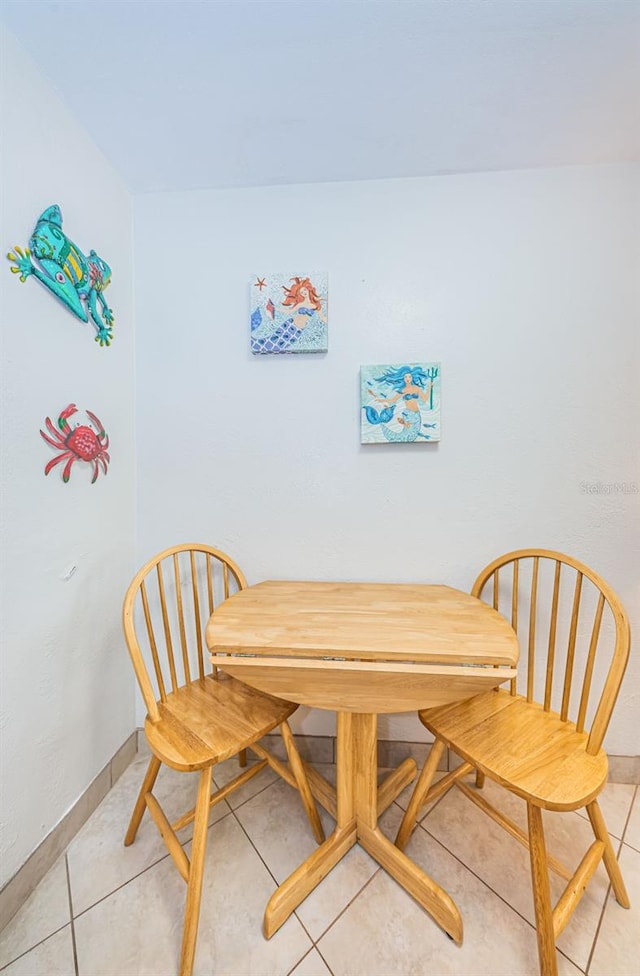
(62,268)
(79,443)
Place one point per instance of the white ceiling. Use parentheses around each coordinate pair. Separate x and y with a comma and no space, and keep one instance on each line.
(212,93)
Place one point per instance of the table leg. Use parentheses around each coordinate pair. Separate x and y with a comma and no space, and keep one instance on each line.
(419,885)
(395,782)
(304,879)
(358,800)
(388,790)
(427,892)
(365,761)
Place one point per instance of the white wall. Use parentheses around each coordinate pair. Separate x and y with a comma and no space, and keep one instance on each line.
(522,284)
(67,686)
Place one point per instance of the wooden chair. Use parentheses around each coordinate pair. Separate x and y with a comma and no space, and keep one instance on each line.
(196,719)
(520,742)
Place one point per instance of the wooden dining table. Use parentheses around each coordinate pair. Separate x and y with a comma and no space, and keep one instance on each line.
(362,649)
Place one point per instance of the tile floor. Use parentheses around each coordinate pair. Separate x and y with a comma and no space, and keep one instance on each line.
(107,910)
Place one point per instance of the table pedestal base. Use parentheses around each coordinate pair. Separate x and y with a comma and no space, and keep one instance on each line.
(359,802)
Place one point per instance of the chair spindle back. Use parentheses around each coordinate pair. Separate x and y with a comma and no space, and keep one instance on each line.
(165,611)
(581,640)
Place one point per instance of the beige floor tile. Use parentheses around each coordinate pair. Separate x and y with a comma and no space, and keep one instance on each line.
(390,821)
(328,770)
(278,827)
(137,930)
(384,931)
(615,802)
(98,860)
(407,793)
(147,915)
(503,864)
(277,824)
(224,772)
(363,921)
(334,892)
(617,951)
(624,769)
(510,805)
(311,965)
(632,835)
(44,912)
(53,957)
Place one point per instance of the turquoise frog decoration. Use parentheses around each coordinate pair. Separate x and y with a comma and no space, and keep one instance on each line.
(67,272)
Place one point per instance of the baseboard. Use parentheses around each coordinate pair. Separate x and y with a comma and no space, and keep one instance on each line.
(313,748)
(322,749)
(624,769)
(16,891)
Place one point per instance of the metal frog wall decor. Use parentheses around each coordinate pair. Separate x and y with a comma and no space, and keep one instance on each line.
(79,443)
(62,268)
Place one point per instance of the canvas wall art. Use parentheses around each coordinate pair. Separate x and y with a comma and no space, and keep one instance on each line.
(289,313)
(400,403)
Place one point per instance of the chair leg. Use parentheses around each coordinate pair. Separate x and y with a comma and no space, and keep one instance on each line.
(419,793)
(541,893)
(242,758)
(140,805)
(196,871)
(609,856)
(302,782)
(479,779)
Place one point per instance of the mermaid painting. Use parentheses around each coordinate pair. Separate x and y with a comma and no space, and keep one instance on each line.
(293,322)
(408,395)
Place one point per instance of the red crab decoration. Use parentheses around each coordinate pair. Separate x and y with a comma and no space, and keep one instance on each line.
(80,443)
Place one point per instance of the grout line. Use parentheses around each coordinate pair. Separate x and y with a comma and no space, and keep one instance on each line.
(35,945)
(159,860)
(514,909)
(636,796)
(434,803)
(257,793)
(244,831)
(347,906)
(138,874)
(162,857)
(324,932)
(600,916)
(621,843)
(605,903)
(477,876)
(232,813)
(73,928)
(51,934)
(123,885)
(582,811)
(324,960)
(271,874)
(598,927)
(300,960)
(16,890)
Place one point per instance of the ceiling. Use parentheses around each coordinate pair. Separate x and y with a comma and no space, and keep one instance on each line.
(185,94)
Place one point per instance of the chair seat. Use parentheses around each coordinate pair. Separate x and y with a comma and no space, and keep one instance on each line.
(211,719)
(529,751)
